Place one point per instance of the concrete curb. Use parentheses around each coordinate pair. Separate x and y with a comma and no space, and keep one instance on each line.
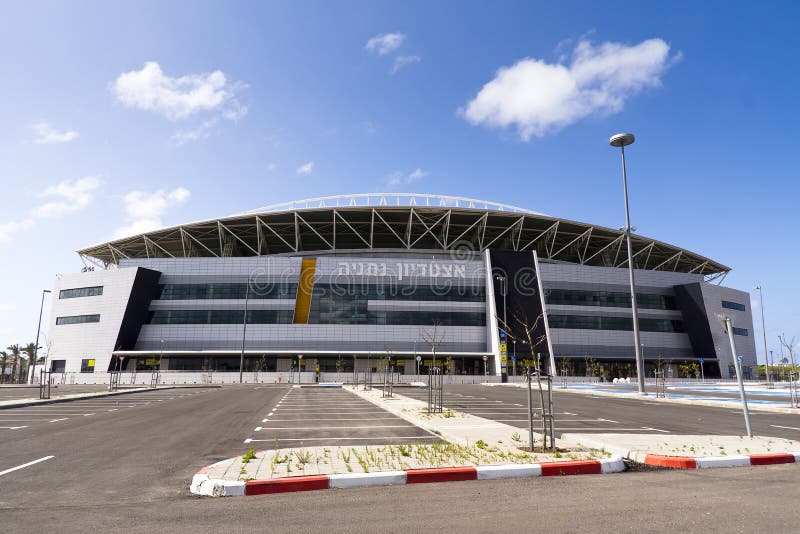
(78,396)
(744,460)
(203,485)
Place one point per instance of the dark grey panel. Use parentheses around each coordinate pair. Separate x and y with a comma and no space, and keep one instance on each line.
(144,289)
(689,298)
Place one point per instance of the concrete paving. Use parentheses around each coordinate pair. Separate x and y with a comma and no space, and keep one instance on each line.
(14,392)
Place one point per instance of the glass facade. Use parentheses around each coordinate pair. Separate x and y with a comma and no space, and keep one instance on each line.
(278,290)
(612,299)
(78,319)
(586,322)
(733,305)
(93,291)
(339,304)
(219,316)
(740,331)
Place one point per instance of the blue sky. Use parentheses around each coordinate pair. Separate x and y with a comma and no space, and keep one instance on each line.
(121,116)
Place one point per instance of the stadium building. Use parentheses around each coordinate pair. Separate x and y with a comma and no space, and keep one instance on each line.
(349,281)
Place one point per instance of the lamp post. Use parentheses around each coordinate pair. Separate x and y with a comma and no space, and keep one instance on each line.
(622,140)
(32,366)
(504,291)
(244,330)
(726,322)
(763,335)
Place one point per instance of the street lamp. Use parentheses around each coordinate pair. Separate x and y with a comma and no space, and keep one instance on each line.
(32,366)
(622,140)
(764,334)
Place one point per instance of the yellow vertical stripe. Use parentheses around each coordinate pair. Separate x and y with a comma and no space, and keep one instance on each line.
(302,303)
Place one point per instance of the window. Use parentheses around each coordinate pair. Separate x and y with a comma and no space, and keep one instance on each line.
(733,305)
(586,322)
(87,366)
(612,299)
(277,290)
(93,291)
(78,319)
(220,317)
(740,331)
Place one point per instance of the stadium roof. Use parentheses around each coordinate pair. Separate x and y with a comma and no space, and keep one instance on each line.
(414,222)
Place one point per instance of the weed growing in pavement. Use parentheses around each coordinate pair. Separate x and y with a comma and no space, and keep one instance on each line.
(448,413)
(480,444)
(249,455)
(303,458)
(515,436)
(557,455)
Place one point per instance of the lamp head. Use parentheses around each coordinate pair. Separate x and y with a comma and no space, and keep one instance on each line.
(621,139)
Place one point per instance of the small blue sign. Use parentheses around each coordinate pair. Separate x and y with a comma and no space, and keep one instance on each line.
(502,334)
(701,360)
(739,358)
(513,358)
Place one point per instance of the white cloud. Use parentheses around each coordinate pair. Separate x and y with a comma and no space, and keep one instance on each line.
(71,196)
(306,168)
(176,98)
(399,178)
(181,137)
(402,61)
(385,43)
(46,134)
(144,210)
(539,97)
(8,229)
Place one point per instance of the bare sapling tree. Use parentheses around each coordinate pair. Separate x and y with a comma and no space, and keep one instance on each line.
(434,336)
(526,332)
(790,345)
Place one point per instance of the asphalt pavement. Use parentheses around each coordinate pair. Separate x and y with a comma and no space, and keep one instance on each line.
(581,412)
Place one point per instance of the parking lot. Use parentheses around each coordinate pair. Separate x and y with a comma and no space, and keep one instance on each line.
(582,413)
(18,419)
(8,393)
(315,416)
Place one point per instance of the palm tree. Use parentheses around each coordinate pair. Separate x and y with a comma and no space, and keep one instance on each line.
(15,351)
(30,350)
(3,361)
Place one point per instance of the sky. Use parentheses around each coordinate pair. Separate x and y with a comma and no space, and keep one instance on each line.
(121,117)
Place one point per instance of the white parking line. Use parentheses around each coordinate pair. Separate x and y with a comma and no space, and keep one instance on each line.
(267,429)
(786,427)
(57,420)
(249,440)
(13,428)
(333,419)
(26,465)
(654,429)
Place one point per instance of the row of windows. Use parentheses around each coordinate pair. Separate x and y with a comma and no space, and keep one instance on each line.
(577,297)
(733,305)
(740,331)
(280,290)
(586,322)
(286,290)
(78,319)
(220,317)
(285,317)
(93,291)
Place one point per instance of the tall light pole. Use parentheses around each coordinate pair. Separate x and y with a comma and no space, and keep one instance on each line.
(32,366)
(726,322)
(622,140)
(244,330)
(504,290)
(763,334)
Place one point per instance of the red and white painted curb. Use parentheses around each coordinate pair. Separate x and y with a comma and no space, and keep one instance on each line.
(744,460)
(203,485)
